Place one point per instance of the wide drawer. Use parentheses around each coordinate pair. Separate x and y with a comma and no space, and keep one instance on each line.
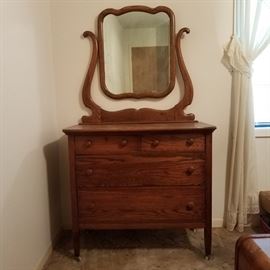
(117,171)
(142,205)
(87,145)
(173,143)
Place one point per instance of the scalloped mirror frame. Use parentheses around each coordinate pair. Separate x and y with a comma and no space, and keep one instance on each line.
(125,10)
(144,115)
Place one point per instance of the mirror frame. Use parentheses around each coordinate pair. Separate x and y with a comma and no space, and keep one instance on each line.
(98,115)
(119,12)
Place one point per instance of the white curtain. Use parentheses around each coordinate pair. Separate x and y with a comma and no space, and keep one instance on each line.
(251,37)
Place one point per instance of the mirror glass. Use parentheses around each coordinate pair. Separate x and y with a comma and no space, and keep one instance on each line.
(136,47)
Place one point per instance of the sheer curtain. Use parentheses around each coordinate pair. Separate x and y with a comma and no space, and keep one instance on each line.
(251,37)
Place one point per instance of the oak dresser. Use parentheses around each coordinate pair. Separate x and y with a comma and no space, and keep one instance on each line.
(141,176)
(140,168)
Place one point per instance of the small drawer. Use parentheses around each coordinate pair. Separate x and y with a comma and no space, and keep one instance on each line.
(128,171)
(174,143)
(86,145)
(142,205)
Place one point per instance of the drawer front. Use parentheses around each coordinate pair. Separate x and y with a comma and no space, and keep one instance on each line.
(174,143)
(87,145)
(143,205)
(117,171)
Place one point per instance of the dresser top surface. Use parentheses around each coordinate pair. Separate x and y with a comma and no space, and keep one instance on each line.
(140,127)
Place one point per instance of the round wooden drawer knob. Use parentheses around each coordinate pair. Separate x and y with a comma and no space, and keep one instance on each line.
(124,142)
(190,170)
(155,143)
(190,206)
(88,143)
(92,205)
(89,172)
(189,142)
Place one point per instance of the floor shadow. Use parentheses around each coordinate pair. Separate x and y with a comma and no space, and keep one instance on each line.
(134,239)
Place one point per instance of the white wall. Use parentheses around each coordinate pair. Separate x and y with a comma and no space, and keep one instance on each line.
(211,26)
(29,185)
(263,158)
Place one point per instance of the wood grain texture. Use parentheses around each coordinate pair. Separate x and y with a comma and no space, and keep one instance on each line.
(132,171)
(141,205)
(173,143)
(141,128)
(123,144)
(86,91)
(138,176)
(113,144)
(188,93)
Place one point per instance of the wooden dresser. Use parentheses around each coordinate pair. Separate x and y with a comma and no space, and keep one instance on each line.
(139,168)
(141,176)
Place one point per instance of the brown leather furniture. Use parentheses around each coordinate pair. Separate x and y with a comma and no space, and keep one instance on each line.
(252,252)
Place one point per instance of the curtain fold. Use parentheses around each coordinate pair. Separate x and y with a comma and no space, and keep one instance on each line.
(251,38)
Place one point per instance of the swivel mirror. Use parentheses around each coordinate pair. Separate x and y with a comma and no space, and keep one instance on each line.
(136,48)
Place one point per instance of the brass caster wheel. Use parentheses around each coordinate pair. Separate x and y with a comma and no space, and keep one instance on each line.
(207,258)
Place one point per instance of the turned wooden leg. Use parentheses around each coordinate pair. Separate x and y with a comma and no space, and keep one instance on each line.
(208,241)
(76,243)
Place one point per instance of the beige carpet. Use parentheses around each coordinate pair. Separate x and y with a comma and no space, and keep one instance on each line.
(145,250)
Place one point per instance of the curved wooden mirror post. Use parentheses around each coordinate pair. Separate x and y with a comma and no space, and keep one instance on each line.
(175,114)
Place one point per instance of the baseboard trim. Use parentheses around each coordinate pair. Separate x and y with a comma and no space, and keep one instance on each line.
(49,250)
(44,258)
(217,222)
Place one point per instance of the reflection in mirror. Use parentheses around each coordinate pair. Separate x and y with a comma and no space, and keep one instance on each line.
(137,53)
